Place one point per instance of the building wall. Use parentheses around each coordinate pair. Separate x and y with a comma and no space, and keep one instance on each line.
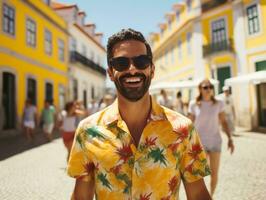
(26,61)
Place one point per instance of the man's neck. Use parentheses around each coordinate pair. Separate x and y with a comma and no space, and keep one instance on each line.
(135,112)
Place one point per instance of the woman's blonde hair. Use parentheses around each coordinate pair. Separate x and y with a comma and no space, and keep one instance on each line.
(199,97)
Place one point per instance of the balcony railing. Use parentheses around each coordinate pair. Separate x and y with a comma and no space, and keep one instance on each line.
(77,57)
(212,48)
(208,5)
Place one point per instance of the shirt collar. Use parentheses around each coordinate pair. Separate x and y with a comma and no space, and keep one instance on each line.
(112,114)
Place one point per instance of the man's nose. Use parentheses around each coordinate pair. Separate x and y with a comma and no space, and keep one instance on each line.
(132,68)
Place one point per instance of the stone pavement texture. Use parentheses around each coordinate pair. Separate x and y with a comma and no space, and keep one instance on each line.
(39,173)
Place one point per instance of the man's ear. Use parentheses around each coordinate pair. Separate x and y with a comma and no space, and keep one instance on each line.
(152,71)
(110,73)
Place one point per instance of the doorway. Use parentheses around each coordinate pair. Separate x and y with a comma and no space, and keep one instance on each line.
(9,101)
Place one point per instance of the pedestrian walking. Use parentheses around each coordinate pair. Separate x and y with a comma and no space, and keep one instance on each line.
(207,112)
(178,104)
(229,109)
(29,119)
(67,124)
(48,118)
(135,148)
(165,100)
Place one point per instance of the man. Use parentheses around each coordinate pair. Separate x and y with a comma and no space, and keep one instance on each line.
(136,149)
(229,109)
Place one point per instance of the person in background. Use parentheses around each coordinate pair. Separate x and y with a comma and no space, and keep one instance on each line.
(207,112)
(48,119)
(229,110)
(29,119)
(67,124)
(165,100)
(135,148)
(178,104)
(93,107)
(107,101)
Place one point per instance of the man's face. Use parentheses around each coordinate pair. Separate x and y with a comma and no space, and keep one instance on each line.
(132,83)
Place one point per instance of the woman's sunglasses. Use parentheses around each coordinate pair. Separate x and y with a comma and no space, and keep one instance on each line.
(123,63)
(207,87)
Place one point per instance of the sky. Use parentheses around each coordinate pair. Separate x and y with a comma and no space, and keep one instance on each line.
(111,16)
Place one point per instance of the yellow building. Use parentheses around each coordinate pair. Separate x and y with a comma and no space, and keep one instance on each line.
(249,87)
(177,55)
(222,40)
(33,58)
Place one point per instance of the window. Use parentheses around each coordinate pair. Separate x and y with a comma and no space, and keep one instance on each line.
(253,19)
(179,44)
(218,31)
(169,24)
(75,89)
(84,50)
(8,19)
(49,92)
(31,90)
(73,44)
(177,14)
(61,50)
(31,32)
(47,2)
(48,42)
(189,43)
(189,5)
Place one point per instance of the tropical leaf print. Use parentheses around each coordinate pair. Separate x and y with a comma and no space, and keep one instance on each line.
(173,185)
(124,152)
(102,178)
(126,180)
(94,132)
(120,133)
(157,155)
(145,196)
(195,150)
(80,141)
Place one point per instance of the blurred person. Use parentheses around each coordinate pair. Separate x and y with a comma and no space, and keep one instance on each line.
(178,104)
(135,148)
(107,101)
(207,112)
(93,106)
(229,110)
(48,119)
(165,100)
(29,119)
(68,125)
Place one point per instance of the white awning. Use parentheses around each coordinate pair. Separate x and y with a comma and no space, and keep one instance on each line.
(254,78)
(179,84)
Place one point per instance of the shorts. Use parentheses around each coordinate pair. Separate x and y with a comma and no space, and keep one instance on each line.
(48,128)
(29,124)
(212,145)
(68,137)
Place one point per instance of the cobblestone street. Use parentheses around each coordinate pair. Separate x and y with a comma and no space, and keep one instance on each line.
(39,173)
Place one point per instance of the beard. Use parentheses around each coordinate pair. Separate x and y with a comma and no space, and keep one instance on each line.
(133,94)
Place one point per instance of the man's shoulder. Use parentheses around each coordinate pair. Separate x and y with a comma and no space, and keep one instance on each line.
(176,119)
(93,120)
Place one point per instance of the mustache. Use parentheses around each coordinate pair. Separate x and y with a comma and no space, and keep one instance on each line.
(130,76)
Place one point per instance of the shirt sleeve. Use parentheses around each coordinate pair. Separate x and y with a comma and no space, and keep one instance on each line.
(194,164)
(80,165)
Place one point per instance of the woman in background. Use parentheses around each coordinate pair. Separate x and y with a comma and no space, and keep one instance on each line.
(207,112)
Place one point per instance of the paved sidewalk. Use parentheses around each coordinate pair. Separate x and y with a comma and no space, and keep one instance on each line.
(39,173)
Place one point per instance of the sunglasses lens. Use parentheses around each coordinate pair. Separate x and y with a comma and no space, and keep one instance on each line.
(120,63)
(141,62)
(207,87)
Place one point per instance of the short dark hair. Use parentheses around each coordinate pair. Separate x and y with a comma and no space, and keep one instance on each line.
(123,35)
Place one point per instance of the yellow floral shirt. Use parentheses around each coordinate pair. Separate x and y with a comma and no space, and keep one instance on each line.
(169,150)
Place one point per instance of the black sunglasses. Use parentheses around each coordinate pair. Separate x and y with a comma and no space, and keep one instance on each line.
(207,87)
(123,63)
